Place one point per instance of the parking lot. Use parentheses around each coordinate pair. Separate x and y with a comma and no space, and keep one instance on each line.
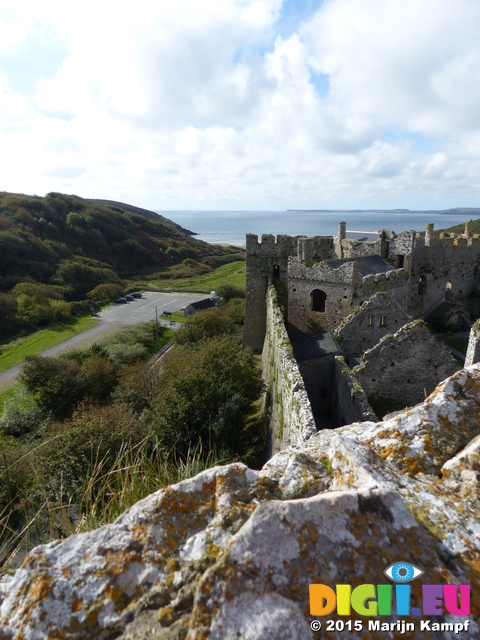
(143,309)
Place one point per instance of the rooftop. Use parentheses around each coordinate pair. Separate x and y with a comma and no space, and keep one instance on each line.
(317,346)
(367,265)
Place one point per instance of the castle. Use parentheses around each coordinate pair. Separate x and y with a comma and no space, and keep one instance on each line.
(356,303)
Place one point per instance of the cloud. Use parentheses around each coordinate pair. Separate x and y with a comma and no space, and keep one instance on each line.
(243,103)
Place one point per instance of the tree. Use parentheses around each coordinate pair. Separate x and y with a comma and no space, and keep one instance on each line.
(57,384)
(205,392)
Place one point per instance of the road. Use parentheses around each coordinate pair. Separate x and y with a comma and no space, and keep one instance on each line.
(111,318)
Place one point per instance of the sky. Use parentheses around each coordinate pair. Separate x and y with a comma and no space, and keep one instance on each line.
(243,104)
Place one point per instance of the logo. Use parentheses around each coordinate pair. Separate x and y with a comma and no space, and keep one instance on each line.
(391,599)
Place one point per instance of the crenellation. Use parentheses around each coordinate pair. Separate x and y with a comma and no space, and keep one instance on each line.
(421,271)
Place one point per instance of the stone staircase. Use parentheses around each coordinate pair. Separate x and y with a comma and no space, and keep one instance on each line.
(440,313)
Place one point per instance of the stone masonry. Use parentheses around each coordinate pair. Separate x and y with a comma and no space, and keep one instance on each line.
(405,366)
(370,322)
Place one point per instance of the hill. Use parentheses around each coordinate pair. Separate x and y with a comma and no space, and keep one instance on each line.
(460,228)
(78,243)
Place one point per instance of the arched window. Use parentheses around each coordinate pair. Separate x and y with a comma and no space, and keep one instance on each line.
(318,298)
(276,271)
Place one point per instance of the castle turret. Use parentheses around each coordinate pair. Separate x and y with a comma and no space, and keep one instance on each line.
(342,230)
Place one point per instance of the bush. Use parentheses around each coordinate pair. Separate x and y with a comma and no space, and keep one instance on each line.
(57,384)
(228,292)
(205,392)
(222,320)
(93,433)
(80,308)
(105,292)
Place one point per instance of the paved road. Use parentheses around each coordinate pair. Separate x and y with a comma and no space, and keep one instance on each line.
(111,318)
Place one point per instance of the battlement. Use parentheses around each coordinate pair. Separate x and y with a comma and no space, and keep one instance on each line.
(270,246)
(325,276)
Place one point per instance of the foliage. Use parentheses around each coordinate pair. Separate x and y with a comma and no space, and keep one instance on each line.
(228,292)
(110,486)
(382,406)
(105,292)
(57,236)
(84,248)
(57,384)
(207,391)
(221,320)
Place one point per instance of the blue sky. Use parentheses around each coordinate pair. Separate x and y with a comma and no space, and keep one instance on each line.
(243,104)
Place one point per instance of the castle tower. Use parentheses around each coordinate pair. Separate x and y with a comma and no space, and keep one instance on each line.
(264,261)
(342,230)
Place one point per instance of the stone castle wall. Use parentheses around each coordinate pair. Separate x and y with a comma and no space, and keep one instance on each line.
(369,323)
(405,366)
(287,405)
(337,283)
(266,260)
(440,260)
(350,403)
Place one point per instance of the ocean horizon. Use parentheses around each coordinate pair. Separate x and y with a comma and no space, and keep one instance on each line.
(230,227)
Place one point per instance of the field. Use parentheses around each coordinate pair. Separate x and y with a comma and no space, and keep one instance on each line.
(228,274)
(44,339)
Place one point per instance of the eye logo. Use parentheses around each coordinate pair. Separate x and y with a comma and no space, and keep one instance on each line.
(402,572)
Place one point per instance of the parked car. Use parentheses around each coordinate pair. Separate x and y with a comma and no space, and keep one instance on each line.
(129,298)
(120,301)
(167,313)
(137,294)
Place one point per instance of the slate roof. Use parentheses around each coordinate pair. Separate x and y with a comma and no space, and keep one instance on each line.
(200,305)
(367,265)
(317,346)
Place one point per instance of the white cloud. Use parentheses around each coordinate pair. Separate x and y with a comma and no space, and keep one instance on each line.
(192,104)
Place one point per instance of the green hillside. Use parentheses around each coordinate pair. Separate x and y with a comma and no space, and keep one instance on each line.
(460,228)
(58,249)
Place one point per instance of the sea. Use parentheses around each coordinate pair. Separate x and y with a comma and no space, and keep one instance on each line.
(230,227)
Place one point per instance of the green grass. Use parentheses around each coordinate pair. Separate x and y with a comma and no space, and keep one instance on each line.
(232,274)
(44,339)
(138,471)
(460,344)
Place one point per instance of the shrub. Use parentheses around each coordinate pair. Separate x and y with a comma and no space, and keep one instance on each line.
(80,308)
(228,291)
(105,292)
(57,384)
(205,392)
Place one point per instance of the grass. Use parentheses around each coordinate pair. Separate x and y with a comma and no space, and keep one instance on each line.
(6,395)
(176,316)
(138,471)
(44,339)
(232,274)
(459,343)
